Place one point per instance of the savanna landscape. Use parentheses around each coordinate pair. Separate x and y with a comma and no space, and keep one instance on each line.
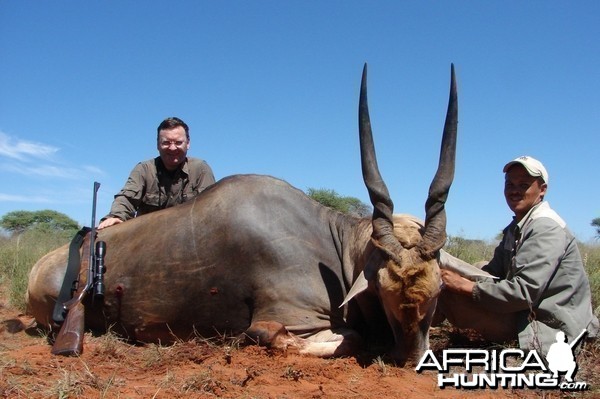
(112,368)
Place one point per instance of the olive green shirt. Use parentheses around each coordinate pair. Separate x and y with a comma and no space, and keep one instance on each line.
(151,187)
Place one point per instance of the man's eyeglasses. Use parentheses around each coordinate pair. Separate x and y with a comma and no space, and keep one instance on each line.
(169,143)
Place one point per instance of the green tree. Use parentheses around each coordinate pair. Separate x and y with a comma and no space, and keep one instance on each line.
(596,224)
(46,220)
(332,199)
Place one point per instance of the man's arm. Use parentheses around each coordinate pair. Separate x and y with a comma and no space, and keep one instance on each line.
(206,176)
(540,253)
(456,283)
(128,200)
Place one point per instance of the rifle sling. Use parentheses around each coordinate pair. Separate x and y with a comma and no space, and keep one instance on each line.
(71,276)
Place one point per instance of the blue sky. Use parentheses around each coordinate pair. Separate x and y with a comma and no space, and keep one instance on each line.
(271,87)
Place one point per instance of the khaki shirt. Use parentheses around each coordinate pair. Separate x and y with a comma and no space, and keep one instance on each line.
(151,187)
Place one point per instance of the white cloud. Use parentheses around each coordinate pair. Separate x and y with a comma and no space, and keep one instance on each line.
(42,171)
(21,198)
(33,159)
(22,149)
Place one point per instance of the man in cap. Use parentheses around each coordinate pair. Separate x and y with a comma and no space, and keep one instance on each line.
(542,287)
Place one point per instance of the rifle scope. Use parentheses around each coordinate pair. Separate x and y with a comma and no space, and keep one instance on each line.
(100,270)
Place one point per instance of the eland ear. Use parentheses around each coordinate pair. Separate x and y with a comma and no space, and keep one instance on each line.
(359,286)
(467,270)
(361,283)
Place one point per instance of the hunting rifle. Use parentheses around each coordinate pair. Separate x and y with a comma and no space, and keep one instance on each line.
(575,342)
(69,340)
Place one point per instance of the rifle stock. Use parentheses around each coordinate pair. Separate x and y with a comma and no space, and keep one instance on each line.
(575,342)
(69,341)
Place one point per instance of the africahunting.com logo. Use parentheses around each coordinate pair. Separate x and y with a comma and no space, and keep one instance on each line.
(508,368)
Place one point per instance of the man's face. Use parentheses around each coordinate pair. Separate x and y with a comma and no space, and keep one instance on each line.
(172,146)
(522,191)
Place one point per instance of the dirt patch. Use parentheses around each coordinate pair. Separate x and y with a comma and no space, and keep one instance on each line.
(110,368)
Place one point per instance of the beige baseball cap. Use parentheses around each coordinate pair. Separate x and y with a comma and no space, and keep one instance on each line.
(533,166)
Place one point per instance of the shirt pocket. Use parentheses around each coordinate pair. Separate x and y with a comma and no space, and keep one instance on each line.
(152,200)
(189,192)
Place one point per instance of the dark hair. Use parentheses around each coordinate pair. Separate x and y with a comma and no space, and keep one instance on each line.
(172,123)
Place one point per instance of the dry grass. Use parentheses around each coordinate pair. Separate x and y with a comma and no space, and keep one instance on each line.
(112,368)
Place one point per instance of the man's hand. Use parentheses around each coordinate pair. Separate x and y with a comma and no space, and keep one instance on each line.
(455,282)
(109,222)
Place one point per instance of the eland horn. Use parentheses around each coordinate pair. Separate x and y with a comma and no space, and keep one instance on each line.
(383,207)
(435,213)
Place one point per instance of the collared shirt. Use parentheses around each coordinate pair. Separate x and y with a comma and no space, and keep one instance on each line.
(151,187)
(542,279)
